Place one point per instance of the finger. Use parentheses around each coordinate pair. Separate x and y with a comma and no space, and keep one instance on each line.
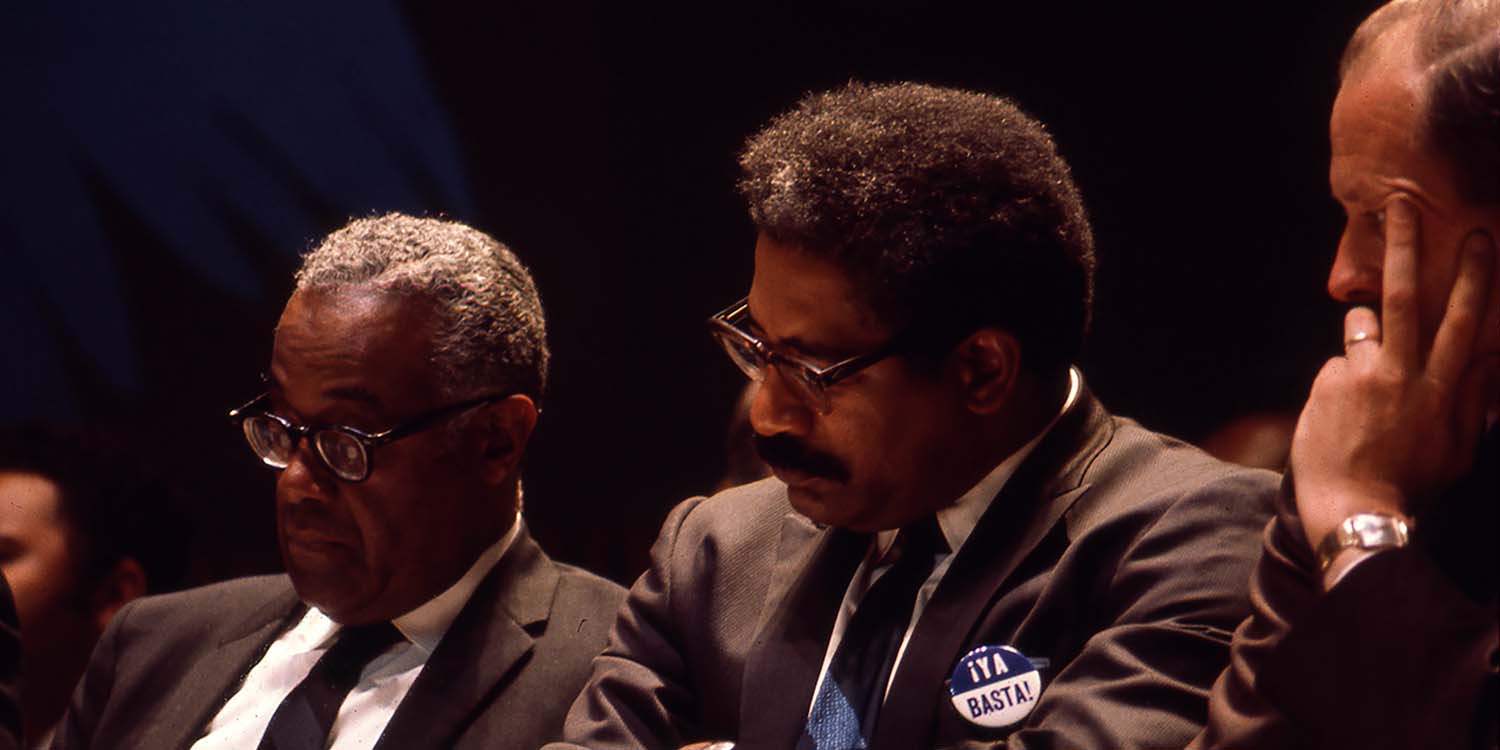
(1399,311)
(1361,332)
(1456,337)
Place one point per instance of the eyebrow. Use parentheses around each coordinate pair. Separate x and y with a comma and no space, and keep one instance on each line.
(1352,192)
(793,343)
(341,392)
(353,393)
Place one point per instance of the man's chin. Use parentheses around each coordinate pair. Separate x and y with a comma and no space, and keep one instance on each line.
(322,575)
(319,589)
(821,501)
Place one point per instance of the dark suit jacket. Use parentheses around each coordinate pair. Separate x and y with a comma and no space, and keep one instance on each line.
(10,671)
(1119,554)
(1404,652)
(501,677)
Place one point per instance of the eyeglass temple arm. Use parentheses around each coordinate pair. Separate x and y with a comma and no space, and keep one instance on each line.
(238,412)
(425,421)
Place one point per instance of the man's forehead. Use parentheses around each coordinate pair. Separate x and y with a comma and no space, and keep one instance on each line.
(803,298)
(28,495)
(358,346)
(1376,135)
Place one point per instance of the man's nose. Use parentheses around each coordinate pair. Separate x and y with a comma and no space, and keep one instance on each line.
(305,475)
(775,408)
(1356,272)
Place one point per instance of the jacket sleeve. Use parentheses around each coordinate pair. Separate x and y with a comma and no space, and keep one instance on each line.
(1393,656)
(639,693)
(1165,618)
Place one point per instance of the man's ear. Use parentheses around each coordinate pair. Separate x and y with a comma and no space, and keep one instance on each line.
(988,362)
(125,582)
(508,424)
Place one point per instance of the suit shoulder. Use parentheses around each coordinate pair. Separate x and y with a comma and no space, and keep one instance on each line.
(746,514)
(590,591)
(153,627)
(1147,473)
(1154,458)
(216,601)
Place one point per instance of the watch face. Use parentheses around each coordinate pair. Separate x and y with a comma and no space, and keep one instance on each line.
(1376,530)
(1366,531)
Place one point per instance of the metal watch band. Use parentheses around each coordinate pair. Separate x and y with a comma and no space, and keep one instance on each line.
(1365,531)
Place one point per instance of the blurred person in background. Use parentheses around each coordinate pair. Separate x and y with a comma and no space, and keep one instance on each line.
(1259,439)
(10,672)
(82,533)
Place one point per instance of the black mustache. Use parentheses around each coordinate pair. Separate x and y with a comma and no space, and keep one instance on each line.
(786,452)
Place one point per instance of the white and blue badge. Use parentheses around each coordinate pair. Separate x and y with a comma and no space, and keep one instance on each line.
(995,686)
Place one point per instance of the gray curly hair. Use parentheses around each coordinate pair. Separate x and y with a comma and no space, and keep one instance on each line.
(491,335)
(949,209)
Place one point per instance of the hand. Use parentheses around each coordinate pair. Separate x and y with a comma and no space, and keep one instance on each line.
(1385,427)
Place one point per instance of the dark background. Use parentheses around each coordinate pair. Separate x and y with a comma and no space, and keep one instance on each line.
(167,162)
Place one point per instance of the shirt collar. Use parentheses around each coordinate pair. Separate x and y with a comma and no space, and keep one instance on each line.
(959,519)
(428,623)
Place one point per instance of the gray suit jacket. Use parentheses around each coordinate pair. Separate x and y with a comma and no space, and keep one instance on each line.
(1119,554)
(501,678)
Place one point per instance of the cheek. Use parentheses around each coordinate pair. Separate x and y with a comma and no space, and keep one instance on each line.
(380,533)
(39,580)
(894,440)
(400,513)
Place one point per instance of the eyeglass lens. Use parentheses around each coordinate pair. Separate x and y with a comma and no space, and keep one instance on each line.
(269,440)
(341,452)
(744,355)
(752,362)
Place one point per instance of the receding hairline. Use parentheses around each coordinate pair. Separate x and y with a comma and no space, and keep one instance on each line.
(1436,30)
(1445,54)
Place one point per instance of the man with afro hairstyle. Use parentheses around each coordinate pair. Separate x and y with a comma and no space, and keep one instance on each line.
(949,499)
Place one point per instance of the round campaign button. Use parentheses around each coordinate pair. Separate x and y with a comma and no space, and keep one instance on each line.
(994,686)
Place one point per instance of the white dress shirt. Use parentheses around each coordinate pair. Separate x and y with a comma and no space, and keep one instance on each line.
(382,685)
(957,522)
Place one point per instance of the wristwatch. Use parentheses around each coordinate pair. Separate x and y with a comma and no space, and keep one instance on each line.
(1368,531)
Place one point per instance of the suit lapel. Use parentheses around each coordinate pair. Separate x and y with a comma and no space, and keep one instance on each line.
(485,644)
(1049,481)
(812,572)
(214,676)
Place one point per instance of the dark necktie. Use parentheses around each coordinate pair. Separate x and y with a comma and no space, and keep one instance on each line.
(305,716)
(849,698)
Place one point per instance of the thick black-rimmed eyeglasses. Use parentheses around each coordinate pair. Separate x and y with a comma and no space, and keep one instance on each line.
(346,451)
(810,381)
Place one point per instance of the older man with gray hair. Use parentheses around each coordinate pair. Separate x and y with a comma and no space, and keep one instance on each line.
(416,612)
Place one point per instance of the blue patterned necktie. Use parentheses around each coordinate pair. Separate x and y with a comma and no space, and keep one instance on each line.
(849,698)
(305,716)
